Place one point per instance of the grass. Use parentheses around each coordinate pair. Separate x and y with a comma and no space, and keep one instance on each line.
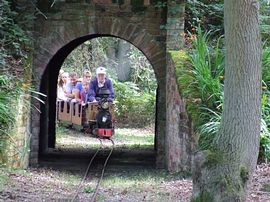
(136,179)
(61,130)
(148,184)
(123,138)
(3,180)
(88,190)
(69,179)
(135,136)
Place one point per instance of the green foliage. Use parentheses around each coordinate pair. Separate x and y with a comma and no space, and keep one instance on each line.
(207,13)
(8,95)
(15,43)
(142,72)
(203,197)
(265,20)
(8,98)
(3,179)
(264,152)
(134,107)
(200,79)
(208,130)
(137,6)
(200,83)
(89,190)
(13,38)
(160,4)
(266,64)
(11,93)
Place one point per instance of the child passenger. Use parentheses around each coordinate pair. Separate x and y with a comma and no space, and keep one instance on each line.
(84,92)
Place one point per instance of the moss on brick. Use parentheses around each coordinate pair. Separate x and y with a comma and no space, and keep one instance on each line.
(180,59)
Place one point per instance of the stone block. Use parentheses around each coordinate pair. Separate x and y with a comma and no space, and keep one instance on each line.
(117,27)
(104,25)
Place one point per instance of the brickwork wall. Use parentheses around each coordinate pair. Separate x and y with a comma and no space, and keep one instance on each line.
(178,141)
(69,23)
(179,129)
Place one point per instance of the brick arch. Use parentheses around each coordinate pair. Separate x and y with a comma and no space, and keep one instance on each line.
(51,53)
(154,50)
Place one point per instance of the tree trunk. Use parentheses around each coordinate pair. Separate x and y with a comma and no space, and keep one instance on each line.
(222,173)
(123,67)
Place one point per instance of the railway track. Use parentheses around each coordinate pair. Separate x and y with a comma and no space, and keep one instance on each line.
(93,198)
(75,160)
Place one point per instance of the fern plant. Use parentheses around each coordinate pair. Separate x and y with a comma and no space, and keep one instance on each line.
(199,80)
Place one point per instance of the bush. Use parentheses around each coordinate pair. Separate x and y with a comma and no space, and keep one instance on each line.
(266,65)
(207,13)
(200,76)
(8,97)
(133,107)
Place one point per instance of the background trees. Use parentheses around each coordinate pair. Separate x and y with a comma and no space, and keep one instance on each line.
(133,77)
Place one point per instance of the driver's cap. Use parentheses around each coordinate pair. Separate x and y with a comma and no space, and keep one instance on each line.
(101,70)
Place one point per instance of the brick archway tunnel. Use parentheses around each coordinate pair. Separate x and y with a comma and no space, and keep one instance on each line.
(48,86)
(71,24)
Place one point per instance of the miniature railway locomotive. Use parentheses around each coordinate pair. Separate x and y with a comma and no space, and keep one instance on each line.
(96,118)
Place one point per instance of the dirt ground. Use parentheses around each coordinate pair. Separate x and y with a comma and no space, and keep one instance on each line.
(122,181)
(45,184)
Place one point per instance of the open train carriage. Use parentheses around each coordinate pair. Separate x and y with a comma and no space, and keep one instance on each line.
(90,117)
(63,111)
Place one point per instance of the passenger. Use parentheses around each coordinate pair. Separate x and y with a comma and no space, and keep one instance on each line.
(84,93)
(61,87)
(99,82)
(70,87)
(86,77)
(79,87)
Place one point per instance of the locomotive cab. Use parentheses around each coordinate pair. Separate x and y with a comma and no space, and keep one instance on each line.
(104,120)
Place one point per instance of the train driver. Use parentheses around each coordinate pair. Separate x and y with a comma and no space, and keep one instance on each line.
(100,81)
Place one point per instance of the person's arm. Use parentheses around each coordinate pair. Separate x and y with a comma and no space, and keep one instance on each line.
(111,89)
(69,93)
(76,93)
(91,92)
(82,97)
(79,86)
